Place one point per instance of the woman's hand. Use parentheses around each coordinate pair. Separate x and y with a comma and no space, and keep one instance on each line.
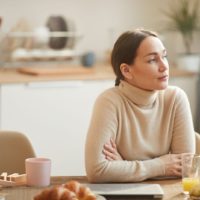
(110,151)
(173,166)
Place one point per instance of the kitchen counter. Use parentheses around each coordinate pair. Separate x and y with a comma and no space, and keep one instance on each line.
(98,72)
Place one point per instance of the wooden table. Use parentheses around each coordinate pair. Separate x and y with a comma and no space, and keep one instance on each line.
(172,188)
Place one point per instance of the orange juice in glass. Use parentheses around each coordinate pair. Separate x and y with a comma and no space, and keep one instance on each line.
(189,183)
(190,171)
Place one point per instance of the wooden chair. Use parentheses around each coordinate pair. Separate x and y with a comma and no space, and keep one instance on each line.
(197,135)
(15,147)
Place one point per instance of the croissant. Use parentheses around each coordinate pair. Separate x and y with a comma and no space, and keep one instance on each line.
(71,190)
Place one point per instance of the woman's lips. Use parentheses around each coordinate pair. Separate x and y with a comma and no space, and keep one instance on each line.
(163,78)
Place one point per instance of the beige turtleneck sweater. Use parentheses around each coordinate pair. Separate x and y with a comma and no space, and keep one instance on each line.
(145,125)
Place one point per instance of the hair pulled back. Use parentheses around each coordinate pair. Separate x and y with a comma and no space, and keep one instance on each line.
(125,49)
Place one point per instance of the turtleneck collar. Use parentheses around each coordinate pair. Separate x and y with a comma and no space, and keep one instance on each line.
(137,95)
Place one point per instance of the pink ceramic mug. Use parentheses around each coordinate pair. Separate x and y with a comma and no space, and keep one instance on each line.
(38,171)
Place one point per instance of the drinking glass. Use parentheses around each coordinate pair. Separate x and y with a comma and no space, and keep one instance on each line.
(190,171)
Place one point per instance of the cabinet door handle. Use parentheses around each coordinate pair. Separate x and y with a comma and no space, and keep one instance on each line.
(56,84)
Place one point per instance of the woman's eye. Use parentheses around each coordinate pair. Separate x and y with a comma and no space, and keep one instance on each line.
(152,60)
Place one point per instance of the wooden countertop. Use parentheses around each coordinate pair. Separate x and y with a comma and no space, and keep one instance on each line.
(172,187)
(99,72)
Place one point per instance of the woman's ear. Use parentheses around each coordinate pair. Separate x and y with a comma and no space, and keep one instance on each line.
(126,71)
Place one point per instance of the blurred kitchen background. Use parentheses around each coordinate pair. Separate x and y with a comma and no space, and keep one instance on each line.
(54,32)
(95,24)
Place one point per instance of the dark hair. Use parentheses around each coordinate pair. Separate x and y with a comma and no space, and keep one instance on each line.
(125,49)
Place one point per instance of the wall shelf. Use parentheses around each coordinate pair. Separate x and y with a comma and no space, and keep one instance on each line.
(48,34)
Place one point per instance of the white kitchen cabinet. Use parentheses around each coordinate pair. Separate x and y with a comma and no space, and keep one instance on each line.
(55,116)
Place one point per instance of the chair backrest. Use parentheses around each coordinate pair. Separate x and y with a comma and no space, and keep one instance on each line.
(197,136)
(15,147)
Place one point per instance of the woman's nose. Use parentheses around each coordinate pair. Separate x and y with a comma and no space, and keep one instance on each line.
(163,65)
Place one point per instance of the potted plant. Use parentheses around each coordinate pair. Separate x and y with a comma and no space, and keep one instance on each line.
(184,18)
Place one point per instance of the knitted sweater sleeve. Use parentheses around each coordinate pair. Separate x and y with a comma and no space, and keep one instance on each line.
(183,139)
(103,126)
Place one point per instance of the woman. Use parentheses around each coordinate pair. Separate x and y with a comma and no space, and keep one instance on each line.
(139,128)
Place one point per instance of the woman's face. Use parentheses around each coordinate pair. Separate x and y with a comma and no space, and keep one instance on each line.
(150,70)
